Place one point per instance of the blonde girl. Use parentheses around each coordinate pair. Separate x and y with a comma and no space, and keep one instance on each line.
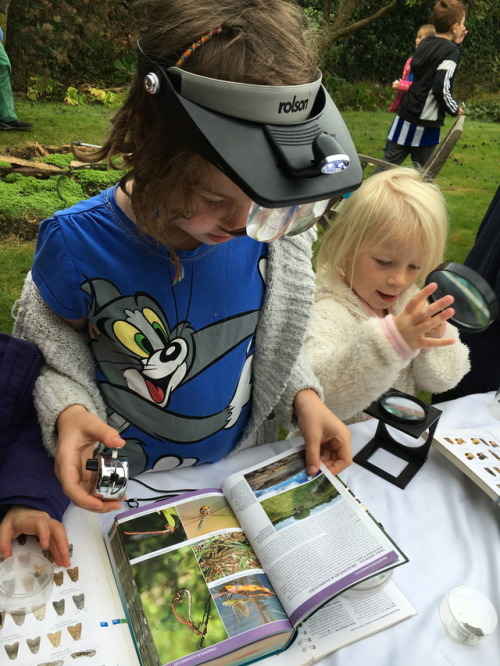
(372,328)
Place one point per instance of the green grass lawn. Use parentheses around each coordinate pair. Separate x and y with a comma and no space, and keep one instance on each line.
(56,124)
(469,178)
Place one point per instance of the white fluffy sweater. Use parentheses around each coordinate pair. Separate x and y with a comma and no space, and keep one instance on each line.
(355,360)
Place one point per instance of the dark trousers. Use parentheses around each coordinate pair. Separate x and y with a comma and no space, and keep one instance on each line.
(396,154)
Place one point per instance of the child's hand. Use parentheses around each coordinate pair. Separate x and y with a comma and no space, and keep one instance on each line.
(24,520)
(326,437)
(421,323)
(78,430)
(395,84)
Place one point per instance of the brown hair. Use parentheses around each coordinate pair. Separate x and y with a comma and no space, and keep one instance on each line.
(261,42)
(446,13)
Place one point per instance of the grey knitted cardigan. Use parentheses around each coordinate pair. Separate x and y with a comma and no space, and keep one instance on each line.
(280,369)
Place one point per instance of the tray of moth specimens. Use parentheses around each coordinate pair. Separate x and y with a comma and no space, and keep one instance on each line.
(81,621)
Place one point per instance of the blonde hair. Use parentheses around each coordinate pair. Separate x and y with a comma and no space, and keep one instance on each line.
(426,30)
(395,203)
(261,42)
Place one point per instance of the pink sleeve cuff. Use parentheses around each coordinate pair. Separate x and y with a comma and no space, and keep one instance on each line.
(396,339)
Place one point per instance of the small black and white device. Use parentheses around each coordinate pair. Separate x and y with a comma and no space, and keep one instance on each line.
(112,474)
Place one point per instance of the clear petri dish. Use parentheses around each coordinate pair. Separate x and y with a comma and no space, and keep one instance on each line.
(468,615)
(370,585)
(25,582)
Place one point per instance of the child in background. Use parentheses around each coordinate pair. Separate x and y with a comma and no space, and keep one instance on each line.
(193,328)
(31,497)
(371,328)
(402,84)
(415,130)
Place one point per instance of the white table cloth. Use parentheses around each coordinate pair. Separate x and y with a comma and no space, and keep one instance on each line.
(444,523)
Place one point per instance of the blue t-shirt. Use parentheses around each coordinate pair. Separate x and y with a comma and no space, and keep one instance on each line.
(173,361)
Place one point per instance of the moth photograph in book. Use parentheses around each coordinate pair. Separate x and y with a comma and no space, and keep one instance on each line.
(232,575)
(476,453)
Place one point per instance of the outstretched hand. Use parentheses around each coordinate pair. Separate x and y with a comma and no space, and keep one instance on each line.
(326,437)
(25,520)
(78,431)
(421,323)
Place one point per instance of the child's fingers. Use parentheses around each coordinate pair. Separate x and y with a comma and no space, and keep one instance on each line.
(441,305)
(42,529)
(438,342)
(6,536)
(59,545)
(420,297)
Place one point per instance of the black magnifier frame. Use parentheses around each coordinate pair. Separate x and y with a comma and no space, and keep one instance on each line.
(414,457)
(476,294)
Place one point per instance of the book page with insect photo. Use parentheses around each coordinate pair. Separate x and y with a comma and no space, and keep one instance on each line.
(193,587)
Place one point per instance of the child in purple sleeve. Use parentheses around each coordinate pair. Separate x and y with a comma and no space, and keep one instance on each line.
(31,498)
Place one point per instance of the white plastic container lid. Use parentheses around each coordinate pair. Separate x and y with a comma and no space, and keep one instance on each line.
(468,615)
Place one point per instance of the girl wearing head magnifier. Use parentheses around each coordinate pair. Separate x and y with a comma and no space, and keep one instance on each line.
(371,328)
(171,308)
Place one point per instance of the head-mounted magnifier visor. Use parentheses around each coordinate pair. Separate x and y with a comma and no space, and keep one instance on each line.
(282,145)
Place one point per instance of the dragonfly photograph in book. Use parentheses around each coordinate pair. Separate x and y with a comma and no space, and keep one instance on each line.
(185,613)
(179,607)
(247,602)
(152,531)
(202,516)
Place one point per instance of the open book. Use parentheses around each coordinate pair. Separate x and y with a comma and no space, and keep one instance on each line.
(233,575)
(476,453)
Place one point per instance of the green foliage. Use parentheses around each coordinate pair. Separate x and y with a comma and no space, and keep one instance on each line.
(54,46)
(484,108)
(42,86)
(360,96)
(71,42)
(27,200)
(89,95)
(93,181)
(125,68)
(62,160)
(73,97)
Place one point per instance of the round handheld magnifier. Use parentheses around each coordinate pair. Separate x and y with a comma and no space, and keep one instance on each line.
(476,305)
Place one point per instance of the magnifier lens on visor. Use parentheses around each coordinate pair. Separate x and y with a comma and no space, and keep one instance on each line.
(267,224)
